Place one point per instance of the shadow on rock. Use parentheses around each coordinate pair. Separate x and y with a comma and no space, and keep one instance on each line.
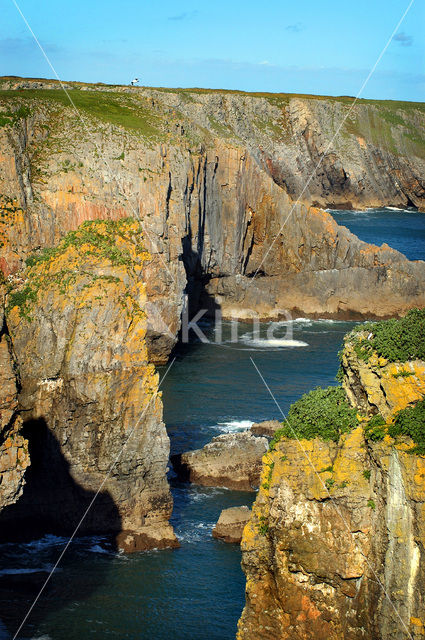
(52,503)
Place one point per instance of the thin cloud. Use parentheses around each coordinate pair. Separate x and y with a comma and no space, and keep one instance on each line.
(21,46)
(403,39)
(295,28)
(186,15)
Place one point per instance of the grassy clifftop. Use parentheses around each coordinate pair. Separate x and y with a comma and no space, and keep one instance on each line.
(156,113)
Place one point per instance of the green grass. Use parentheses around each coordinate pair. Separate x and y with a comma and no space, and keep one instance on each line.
(221,129)
(403,374)
(23,299)
(11,116)
(109,107)
(99,239)
(90,233)
(266,484)
(322,413)
(263,526)
(280,98)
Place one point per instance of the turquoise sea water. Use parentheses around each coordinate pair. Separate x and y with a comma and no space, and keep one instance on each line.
(195,592)
(403,230)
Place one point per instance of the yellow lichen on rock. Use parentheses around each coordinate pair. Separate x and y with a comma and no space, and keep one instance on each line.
(12,234)
(78,325)
(378,385)
(334,521)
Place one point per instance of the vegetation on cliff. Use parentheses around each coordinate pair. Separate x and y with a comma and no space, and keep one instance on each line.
(322,413)
(327,413)
(305,554)
(146,111)
(107,242)
(395,340)
(108,107)
(411,422)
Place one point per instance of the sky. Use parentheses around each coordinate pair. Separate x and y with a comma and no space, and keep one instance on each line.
(322,47)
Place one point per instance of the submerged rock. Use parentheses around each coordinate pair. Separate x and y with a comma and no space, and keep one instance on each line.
(231,523)
(232,460)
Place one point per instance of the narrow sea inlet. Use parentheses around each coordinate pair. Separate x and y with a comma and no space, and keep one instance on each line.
(195,592)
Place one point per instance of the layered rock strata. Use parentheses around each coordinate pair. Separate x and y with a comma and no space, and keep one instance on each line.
(14,456)
(266,428)
(212,176)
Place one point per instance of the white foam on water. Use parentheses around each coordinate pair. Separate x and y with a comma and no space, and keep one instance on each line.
(48,540)
(195,531)
(233,426)
(21,571)
(263,343)
(96,548)
(199,496)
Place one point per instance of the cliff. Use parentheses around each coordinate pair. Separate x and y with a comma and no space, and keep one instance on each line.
(213,176)
(88,398)
(335,545)
(14,456)
(210,177)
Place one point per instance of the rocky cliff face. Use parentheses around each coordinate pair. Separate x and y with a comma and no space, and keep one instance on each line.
(335,547)
(212,176)
(14,456)
(88,396)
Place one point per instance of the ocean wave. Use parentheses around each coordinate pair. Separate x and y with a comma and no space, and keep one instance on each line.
(264,343)
(195,531)
(198,496)
(22,571)
(232,426)
(96,548)
(39,544)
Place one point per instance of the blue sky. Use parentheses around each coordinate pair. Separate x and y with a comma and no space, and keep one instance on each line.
(321,47)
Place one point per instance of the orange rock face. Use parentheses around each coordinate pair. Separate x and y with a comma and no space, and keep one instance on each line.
(335,545)
(14,456)
(214,186)
(93,415)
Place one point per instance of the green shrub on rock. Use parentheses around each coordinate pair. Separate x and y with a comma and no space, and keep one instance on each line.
(322,413)
(375,428)
(397,340)
(411,422)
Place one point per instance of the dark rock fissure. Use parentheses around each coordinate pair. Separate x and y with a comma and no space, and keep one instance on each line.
(52,502)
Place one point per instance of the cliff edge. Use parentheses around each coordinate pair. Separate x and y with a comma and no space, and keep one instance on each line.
(89,422)
(335,546)
(213,176)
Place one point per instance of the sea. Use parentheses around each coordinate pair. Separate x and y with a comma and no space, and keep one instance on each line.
(195,592)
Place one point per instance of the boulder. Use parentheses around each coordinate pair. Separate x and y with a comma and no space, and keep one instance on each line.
(232,460)
(231,523)
(266,428)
